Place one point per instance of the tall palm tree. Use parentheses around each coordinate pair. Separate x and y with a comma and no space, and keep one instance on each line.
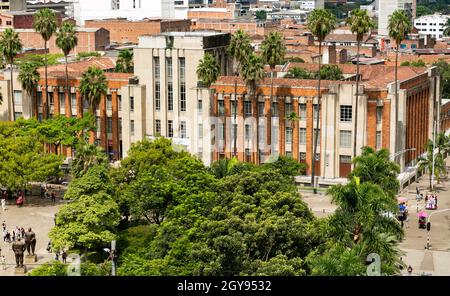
(125,61)
(29,77)
(87,156)
(45,23)
(273,52)
(360,23)
(293,119)
(10,46)
(239,49)
(67,40)
(447,28)
(426,163)
(252,72)
(93,86)
(208,70)
(399,26)
(320,23)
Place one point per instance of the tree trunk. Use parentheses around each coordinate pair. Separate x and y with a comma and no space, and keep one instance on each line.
(12,94)
(269,117)
(92,133)
(396,102)
(46,107)
(356,99)
(313,156)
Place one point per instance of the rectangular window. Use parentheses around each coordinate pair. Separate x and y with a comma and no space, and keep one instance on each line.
(378,143)
(247,132)
(318,137)
(260,109)
(119,100)
(170,128)
(346,113)
(302,156)
(17,115)
(73,100)
(50,99)
(157,127)
(221,108)
(288,109)
(233,108)
(200,131)
(17,98)
(108,102)
(288,135)
(200,152)
(315,112)
(200,106)
(247,108)
(302,111)
(345,159)
(120,125)
(183,129)
(109,125)
(302,137)
(233,132)
(221,131)
(379,114)
(157,77)
(132,127)
(39,98)
(274,109)
(345,139)
(98,124)
(131,104)
(169,73)
(182,78)
(62,100)
(247,154)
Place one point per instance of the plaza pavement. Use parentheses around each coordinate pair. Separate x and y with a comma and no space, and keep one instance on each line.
(436,260)
(35,213)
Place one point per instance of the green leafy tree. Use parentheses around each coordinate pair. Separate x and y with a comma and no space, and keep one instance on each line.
(288,166)
(29,77)
(239,50)
(444,70)
(45,23)
(426,163)
(125,61)
(320,23)
(330,72)
(67,40)
(447,28)
(10,46)
(261,15)
(423,10)
(399,26)
(360,24)
(298,73)
(86,157)
(208,70)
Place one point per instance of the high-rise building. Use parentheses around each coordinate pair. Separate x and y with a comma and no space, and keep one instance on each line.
(387,7)
(433,25)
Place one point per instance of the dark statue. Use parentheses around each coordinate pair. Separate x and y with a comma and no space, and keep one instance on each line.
(19,248)
(30,241)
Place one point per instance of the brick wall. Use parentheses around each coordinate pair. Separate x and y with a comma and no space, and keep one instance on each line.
(229,15)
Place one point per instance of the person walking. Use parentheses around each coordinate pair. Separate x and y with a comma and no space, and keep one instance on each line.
(4,204)
(53,196)
(64,256)
(4,225)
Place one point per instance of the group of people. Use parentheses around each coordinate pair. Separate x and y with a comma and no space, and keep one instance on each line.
(15,234)
(46,192)
(403,214)
(431,201)
(18,196)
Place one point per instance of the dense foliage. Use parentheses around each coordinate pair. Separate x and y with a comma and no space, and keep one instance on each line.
(444,70)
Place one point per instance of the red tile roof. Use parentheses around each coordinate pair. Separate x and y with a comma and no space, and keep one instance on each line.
(281,82)
(77,68)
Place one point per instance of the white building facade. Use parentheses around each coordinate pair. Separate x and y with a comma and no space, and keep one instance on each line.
(433,25)
(387,7)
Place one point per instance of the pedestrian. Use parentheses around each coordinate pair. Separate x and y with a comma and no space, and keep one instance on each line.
(53,196)
(410,270)
(4,225)
(8,236)
(49,246)
(3,259)
(4,235)
(57,256)
(64,256)
(23,232)
(4,204)
(13,236)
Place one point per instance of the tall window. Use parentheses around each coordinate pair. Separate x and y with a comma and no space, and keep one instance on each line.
(318,138)
(221,131)
(302,137)
(73,100)
(233,108)
(108,102)
(183,129)
(131,104)
(62,100)
(39,98)
(247,154)
(119,100)
(302,111)
(346,113)
(182,78)
(288,108)
(120,125)
(274,109)
(169,73)
(109,125)
(221,108)
(247,132)
(378,143)
(288,135)
(200,106)
(50,99)
(260,109)
(170,128)
(18,98)
(379,114)
(158,127)
(157,77)
(132,127)
(248,108)
(200,131)
(345,139)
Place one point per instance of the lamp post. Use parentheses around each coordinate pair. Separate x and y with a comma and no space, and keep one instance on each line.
(112,256)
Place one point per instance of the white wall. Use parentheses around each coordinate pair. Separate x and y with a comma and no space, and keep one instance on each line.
(385,9)
(432,25)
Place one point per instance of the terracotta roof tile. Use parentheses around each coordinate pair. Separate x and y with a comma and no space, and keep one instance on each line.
(77,68)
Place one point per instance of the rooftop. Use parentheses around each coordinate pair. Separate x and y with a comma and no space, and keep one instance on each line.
(77,68)
(192,34)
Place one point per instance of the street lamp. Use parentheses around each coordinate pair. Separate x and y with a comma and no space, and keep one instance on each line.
(112,256)
(429,225)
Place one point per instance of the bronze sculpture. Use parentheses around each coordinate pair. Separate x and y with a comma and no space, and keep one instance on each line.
(30,241)
(18,248)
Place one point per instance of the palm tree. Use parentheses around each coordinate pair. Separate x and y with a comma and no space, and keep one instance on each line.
(208,70)
(93,86)
(67,40)
(442,143)
(426,163)
(360,23)
(87,156)
(239,49)
(273,52)
(10,46)
(447,28)
(399,26)
(45,23)
(29,77)
(321,22)
(125,61)
(252,72)
(293,118)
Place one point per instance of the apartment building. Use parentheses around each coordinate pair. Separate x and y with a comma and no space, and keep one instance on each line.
(431,25)
(387,7)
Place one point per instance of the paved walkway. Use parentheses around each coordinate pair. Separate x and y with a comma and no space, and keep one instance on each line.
(35,213)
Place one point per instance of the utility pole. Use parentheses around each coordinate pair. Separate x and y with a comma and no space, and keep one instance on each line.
(113,258)
(434,147)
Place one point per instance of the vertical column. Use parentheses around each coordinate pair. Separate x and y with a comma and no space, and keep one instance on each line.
(282,126)
(255,133)
(295,132)
(371,124)
(67,103)
(240,129)
(227,141)
(386,125)
(103,131)
(115,124)
(79,104)
(407,128)
(56,106)
(309,133)
(44,103)
(268,113)
(36,104)
(214,113)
